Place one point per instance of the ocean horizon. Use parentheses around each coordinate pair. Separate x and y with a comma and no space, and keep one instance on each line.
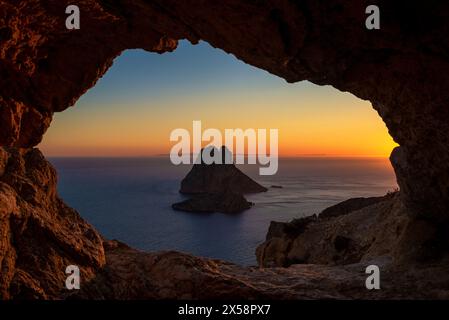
(130,198)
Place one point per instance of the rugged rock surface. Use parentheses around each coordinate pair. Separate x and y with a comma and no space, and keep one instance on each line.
(130,274)
(354,231)
(350,205)
(39,235)
(227,202)
(402,69)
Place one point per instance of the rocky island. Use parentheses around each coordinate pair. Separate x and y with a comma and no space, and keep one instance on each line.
(216,187)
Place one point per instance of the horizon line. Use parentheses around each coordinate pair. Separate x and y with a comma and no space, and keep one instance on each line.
(279,156)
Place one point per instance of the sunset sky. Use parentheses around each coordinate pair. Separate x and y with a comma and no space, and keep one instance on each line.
(144,96)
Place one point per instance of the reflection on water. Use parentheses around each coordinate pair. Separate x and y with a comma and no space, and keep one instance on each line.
(130,199)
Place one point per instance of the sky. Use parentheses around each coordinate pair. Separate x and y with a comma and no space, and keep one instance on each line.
(133,108)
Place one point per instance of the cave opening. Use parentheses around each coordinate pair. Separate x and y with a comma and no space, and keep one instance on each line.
(401,70)
(110,149)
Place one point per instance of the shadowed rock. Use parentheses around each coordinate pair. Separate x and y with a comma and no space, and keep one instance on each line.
(132,274)
(218,178)
(350,205)
(227,202)
(349,232)
(217,187)
(39,235)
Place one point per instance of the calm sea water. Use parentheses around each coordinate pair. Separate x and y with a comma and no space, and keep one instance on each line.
(129,199)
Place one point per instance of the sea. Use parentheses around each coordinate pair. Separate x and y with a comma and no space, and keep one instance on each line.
(129,199)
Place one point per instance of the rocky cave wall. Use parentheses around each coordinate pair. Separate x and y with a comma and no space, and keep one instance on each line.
(402,68)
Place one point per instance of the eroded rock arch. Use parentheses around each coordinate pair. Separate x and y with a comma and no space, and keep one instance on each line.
(403,68)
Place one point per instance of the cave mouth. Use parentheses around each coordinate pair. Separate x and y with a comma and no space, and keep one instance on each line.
(113,169)
(402,69)
(386,67)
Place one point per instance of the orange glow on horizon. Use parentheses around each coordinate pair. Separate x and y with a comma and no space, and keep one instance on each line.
(311,120)
(331,134)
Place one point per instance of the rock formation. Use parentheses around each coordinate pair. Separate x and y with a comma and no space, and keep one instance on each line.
(226,202)
(218,178)
(348,232)
(130,274)
(402,69)
(355,231)
(39,235)
(217,187)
